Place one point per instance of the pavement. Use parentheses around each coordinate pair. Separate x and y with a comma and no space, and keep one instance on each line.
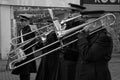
(5,74)
(114,65)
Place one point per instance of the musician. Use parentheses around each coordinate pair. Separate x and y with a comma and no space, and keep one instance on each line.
(49,65)
(94,54)
(25,70)
(70,54)
(59,65)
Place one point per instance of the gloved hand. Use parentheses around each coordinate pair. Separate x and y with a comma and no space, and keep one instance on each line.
(83,34)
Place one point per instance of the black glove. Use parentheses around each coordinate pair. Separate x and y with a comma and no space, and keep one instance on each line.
(83,34)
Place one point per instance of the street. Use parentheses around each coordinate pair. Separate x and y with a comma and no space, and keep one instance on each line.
(114,66)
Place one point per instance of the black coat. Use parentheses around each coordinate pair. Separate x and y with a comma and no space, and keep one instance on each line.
(68,60)
(94,54)
(70,54)
(30,67)
(48,68)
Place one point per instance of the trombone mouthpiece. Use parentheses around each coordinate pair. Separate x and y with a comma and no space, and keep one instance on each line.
(59,34)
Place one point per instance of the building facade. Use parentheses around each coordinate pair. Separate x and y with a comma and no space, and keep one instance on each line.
(6,17)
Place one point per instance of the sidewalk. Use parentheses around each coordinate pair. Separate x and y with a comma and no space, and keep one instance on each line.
(6,74)
(114,66)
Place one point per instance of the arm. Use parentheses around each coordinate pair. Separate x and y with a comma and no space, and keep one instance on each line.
(101,48)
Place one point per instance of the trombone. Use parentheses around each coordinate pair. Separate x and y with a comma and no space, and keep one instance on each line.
(49,28)
(97,24)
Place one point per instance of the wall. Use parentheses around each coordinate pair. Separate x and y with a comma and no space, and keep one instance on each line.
(0,33)
(107,5)
(5,29)
(5,17)
(102,7)
(48,3)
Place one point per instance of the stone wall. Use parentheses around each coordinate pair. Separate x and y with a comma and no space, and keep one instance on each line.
(116,34)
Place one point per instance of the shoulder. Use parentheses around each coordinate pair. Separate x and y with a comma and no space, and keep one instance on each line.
(105,36)
(104,33)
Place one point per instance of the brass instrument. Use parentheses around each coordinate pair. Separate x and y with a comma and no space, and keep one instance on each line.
(97,24)
(18,52)
(43,32)
(101,23)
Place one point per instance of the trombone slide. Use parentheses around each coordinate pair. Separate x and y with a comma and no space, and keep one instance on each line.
(104,21)
(101,22)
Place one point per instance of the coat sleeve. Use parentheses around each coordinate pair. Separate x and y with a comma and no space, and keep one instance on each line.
(100,49)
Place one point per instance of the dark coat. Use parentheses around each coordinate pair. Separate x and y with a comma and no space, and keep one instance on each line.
(48,68)
(30,67)
(68,61)
(70,54)
(94,54)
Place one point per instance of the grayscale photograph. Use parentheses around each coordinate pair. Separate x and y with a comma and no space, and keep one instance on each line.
(59,39)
